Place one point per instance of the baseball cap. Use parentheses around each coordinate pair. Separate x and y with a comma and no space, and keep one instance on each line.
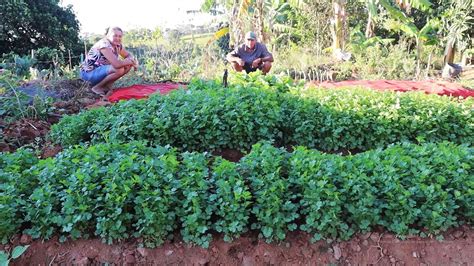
(250,35)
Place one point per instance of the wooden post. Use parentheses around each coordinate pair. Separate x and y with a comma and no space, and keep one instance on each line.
(70,62)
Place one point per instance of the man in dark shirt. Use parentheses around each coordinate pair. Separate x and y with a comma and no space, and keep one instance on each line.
(251,56)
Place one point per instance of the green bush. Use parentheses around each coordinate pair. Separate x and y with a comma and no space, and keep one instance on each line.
(15,187)
(115,191)
(266,169)
(100,187)
(203,119)
(20,65)
(196,205)
(318,178)
(232,198)
(381,62)
(156,200)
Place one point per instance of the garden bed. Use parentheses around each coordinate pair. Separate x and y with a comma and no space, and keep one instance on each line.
(375,248)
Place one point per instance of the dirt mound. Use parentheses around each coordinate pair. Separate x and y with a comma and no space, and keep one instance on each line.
(23,132)
(32,132)
(365,249)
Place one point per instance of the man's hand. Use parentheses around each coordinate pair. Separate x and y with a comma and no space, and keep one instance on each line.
(135,64)
(256,62)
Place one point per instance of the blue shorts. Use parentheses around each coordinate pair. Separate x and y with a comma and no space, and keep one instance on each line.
(97,75)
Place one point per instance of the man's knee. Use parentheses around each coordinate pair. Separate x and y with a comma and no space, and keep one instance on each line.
(120,71)
(266,67)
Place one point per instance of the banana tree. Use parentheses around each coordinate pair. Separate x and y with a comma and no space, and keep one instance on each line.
(395,11)
(236,12)
(424,36)
(339,24)
(459,25)
(258,15)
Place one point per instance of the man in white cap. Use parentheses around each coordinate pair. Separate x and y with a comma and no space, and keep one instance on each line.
(251,55)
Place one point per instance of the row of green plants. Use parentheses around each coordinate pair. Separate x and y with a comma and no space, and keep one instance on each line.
(117,191)
(207,117)
(15,104)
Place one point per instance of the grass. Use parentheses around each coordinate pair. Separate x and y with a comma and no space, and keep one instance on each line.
(467,83)
(199,39)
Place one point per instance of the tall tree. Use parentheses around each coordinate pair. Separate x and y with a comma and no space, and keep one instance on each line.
(339,24)
(32,24)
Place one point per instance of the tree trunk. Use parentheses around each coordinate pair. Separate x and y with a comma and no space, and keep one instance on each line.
(418,58)
(339,24)
(235,25)
(259,20)
(369,31)
(449,53)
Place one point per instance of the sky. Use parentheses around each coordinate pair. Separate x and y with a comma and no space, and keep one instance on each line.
(96,15)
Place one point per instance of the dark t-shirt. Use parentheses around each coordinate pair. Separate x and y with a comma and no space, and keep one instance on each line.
(260,51)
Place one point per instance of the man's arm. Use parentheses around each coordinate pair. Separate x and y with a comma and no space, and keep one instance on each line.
(114,61)
(260,60)
(266,55)
(127,55)
(233,57)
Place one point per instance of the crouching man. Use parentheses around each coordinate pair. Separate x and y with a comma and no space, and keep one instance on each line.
(251,55)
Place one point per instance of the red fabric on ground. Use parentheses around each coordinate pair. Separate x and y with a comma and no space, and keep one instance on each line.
(142,91)
(430,87)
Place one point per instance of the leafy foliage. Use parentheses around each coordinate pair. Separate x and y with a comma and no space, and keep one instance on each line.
(195,201)
(232,199)
(275,212)
(380,61)
(17,251)
(114,191)
(208,118)
(318,178)
(27,25)
(15,185)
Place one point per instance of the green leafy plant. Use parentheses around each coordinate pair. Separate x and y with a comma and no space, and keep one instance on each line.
(115,190)
(196,204)
(17,251)
(273,207)
(232,199)
(318,179)
(212,119)
(15,188)
(156,200)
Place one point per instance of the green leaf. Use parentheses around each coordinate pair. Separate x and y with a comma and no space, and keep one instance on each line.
(267,231)
(422,5)
(18,251)
(4,258)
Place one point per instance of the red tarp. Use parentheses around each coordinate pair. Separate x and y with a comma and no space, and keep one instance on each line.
(142,91)
(431,87)
(437,87)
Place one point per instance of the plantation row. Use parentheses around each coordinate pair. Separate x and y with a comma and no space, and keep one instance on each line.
(116,191)
(207,118)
